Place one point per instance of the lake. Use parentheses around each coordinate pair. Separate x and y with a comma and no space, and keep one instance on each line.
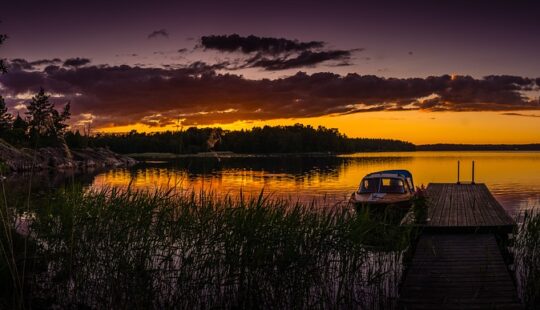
(513,177)
(110,243)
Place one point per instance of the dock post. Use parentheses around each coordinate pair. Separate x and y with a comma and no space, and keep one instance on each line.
(458,172)
(472,182)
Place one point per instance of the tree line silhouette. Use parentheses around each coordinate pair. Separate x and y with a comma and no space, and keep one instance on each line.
(277,139)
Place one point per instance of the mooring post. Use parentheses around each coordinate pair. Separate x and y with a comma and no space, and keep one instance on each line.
(472,172)
(458,172)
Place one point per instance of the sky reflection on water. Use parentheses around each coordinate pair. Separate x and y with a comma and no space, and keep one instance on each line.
(513,177)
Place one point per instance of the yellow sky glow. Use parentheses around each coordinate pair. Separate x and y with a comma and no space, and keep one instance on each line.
(414,126)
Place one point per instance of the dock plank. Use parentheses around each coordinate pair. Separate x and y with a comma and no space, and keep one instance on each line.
(473,212)
(458,271)
(465,206)
(466,211)
(457,263)
(433,198)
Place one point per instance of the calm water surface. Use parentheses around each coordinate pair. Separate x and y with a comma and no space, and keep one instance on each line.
(513,177)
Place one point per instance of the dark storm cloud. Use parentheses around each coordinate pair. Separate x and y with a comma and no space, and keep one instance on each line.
(492,93)
(19,64)
(43,62)
(158,33)
(23,64)
(275,53)
(304,59)
(250,44)
(122,95)
(76,62)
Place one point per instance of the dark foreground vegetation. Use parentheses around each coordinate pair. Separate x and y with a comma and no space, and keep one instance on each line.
(527,259)
(125,249)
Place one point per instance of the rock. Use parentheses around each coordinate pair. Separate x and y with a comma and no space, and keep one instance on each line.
(60,158)
(14,159)
(101,157)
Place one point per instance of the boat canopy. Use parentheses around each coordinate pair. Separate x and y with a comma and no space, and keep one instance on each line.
(403,173)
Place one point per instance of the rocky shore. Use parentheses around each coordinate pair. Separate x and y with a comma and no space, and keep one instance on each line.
(59,158)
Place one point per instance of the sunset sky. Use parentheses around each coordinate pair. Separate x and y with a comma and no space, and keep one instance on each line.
(425,72)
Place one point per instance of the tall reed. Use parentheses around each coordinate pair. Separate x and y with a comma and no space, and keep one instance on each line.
(136,249)
(526,250)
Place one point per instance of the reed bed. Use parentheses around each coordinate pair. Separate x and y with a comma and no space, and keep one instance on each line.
(135,249)
(526,250)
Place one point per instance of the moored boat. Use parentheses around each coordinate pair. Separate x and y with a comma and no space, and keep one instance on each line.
(385,188)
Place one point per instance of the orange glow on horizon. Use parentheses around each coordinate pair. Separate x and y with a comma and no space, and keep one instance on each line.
(413,126)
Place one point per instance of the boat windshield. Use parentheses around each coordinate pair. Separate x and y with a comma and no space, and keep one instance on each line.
(370,185)
(392,186)
(382,185)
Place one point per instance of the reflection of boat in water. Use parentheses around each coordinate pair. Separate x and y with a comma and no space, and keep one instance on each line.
(384,188)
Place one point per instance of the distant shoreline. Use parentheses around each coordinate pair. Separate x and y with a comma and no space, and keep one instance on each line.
(478,147)
(162,156)
(297,140)
(227,155)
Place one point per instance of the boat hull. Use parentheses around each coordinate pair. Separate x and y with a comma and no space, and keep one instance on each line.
(402,201)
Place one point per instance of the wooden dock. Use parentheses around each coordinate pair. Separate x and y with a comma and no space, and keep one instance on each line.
(465,207)
(457,263)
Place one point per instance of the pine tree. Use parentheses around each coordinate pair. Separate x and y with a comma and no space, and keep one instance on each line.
(20,123)
(3,68)
(5,117)
(17,135)
(40,111)
(59,119)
